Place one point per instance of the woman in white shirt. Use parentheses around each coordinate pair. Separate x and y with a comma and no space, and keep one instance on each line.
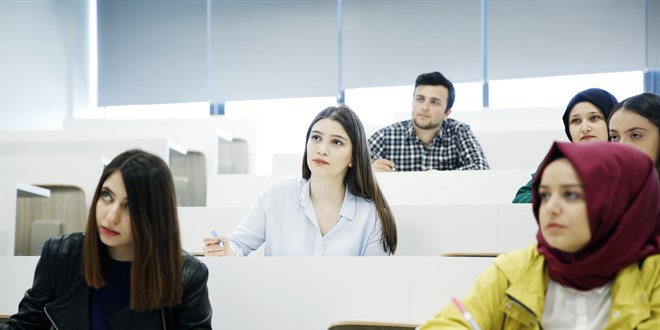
(335,208)
(596,263)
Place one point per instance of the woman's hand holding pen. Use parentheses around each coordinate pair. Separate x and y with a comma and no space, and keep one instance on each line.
(217,247)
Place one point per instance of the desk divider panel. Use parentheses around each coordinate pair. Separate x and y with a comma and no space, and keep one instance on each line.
(399,188)
(49,169)
(307,292)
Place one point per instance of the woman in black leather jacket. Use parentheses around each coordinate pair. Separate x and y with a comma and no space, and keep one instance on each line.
(127,271)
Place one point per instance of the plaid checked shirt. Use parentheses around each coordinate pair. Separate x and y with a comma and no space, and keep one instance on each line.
(454,148)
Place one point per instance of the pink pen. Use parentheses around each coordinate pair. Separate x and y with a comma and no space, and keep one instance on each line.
(466,314)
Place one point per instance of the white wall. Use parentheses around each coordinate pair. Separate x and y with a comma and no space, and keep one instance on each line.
(43,63)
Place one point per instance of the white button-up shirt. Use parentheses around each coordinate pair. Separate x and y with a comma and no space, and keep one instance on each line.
(283,218)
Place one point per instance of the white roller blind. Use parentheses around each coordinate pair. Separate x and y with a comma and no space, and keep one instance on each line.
(391,42)
(544,38)
(273,49)
(157,51)
(151,51)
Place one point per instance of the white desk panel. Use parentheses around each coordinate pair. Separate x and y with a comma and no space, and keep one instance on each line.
(431,230)
(516,228)
(307,292)
(233,190)
(400,188)
(199,135)
(433,281)
(518,149)
(109,148)
(451,187)
(16,275)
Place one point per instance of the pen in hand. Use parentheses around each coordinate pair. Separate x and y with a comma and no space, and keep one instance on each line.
(466,315)
(215,234)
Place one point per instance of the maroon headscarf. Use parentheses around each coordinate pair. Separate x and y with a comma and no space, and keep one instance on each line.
(622,193)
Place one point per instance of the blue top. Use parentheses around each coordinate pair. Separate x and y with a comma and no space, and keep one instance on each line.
(283,217)
(113,296)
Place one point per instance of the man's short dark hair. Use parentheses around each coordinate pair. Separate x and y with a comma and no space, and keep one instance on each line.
(437,79)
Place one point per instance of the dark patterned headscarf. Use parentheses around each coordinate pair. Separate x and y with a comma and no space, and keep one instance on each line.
(602,99)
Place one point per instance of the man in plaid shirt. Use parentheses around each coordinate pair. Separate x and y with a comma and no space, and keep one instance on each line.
(430,140)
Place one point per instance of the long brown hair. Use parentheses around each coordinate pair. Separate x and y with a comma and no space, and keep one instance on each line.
(157,267)
(360,178)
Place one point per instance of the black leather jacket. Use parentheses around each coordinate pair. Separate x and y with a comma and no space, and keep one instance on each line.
(60,298)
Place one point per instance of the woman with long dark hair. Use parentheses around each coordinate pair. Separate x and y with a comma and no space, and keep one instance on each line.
(127,271)
(334,208)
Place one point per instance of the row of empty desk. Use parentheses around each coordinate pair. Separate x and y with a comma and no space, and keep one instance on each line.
(307,292)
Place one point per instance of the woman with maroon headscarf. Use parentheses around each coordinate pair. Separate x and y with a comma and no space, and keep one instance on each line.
(596,264)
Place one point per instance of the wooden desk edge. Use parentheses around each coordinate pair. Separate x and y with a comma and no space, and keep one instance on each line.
(476,254)
(378,324)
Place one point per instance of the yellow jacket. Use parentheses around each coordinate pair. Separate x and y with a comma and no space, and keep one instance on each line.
(511,293)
